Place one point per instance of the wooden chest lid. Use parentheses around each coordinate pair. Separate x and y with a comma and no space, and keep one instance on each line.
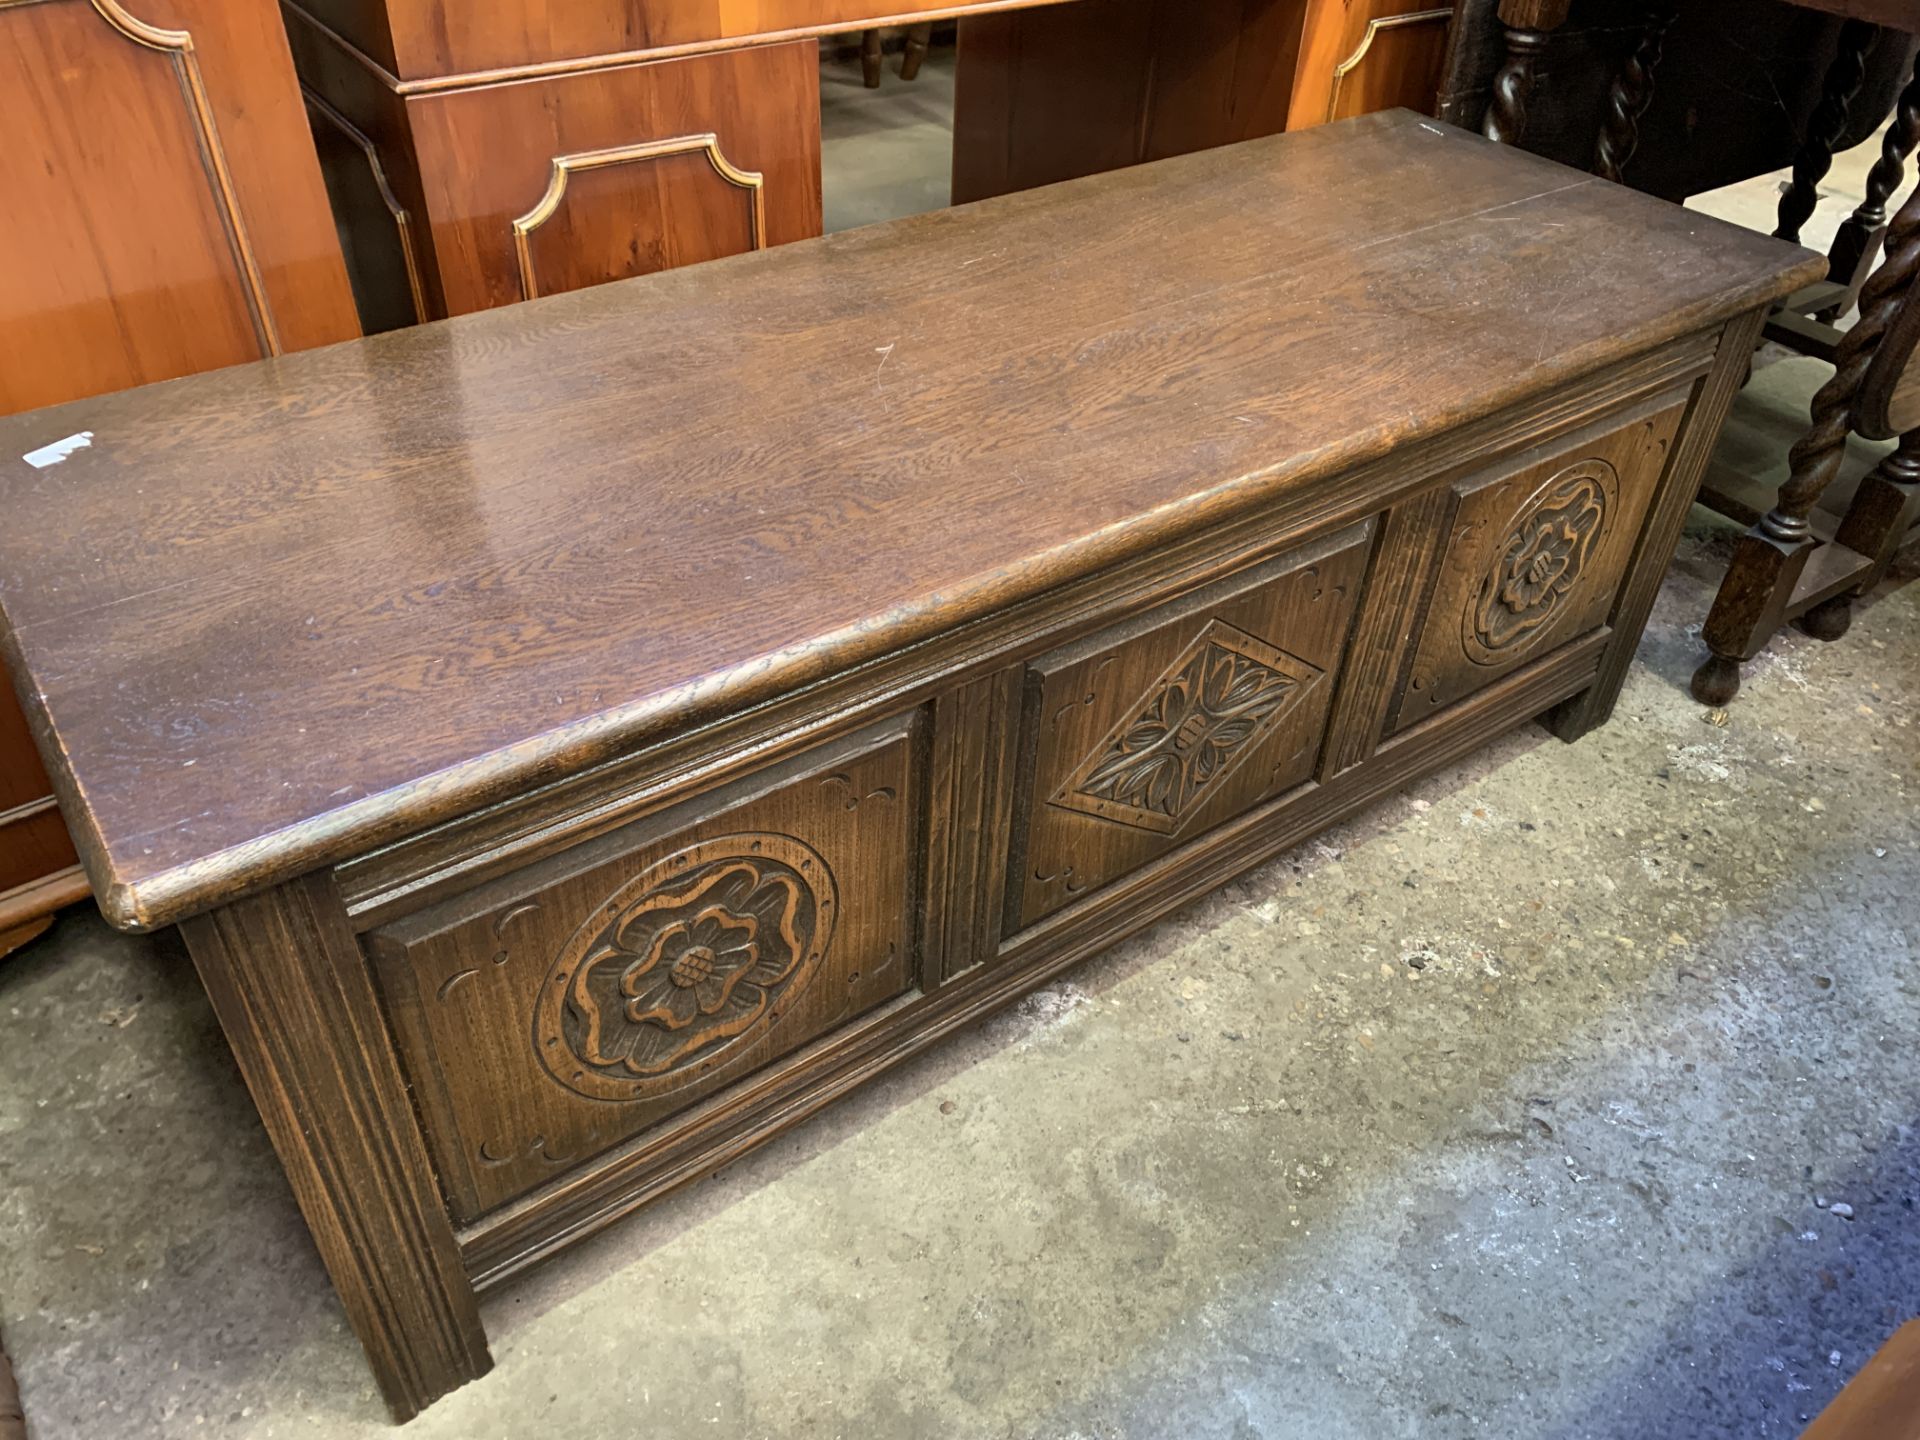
(274,614)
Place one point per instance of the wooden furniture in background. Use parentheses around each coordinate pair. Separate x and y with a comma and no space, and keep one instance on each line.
(1790,566)
(1720,112)
(1882,1401)
(919,39)
(913,53)
(1787,567)
(1373,55)
(1060,91)
(555,826)
(448,130)
(164,215)
(470,196)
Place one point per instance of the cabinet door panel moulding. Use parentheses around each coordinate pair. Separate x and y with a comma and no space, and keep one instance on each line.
(567,166)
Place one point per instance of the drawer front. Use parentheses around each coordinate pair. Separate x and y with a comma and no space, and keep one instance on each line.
(1151,732)
(551,1014)
(1535,554)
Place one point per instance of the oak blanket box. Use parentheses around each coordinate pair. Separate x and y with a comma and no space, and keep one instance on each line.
(581,739)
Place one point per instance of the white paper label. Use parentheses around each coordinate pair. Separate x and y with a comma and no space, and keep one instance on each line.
(59,450)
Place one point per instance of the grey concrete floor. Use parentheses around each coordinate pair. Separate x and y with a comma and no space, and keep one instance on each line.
(1508,1108)
(887,152)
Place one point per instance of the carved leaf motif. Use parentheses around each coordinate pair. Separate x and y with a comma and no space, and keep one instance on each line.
(686,961)
(1222,695)
(1547,548)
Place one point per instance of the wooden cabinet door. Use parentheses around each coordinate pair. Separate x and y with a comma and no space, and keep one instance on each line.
(164,215)
(575,180)
(1059,91)
(1358,56)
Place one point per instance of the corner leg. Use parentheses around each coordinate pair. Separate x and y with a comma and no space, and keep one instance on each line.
(919,41)
(1692,448)
(1529,23)
(294,995)
(870,58)
(1825,127)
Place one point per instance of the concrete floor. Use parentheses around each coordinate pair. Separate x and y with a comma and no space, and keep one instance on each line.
(1516,1107)
(888,152)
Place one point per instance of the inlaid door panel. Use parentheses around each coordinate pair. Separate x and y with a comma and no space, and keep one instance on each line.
(1536,550)
(1359,56)
(573,180)
(554,1013)
(1145,735)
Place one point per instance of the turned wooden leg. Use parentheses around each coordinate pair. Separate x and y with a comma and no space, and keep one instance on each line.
(919,40)
(1529,23)
(1825,128)
(1631,93)
(296,1000)
(1859,236)
(1830,619)
(1767,564)
(870,58)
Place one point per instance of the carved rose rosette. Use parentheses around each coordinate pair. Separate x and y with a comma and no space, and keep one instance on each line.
(696,956)
(1547,549)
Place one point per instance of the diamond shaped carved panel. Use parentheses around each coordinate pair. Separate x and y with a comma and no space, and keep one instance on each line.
(1145,736)
(1215,703)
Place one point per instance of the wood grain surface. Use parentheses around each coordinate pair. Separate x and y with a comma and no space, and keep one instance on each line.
(275,615)
(1059,91)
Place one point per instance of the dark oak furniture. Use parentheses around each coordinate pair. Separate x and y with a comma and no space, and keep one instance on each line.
(164,215)
(1785,568)
(1676,98)
(577,745)
(1797,562)
(1056,92)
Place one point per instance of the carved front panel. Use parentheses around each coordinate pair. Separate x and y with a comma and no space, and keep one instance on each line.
(1145,735)
(549,1015)
(1535,554)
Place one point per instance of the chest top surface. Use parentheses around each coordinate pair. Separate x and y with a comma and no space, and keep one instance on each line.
(270,613)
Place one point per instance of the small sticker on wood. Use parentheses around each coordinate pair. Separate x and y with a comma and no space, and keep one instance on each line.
(59,450)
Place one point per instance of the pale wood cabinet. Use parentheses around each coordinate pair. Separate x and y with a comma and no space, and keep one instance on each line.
(164,215)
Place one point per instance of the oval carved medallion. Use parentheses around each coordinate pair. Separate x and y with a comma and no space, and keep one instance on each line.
(1539,563)
(695,957)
